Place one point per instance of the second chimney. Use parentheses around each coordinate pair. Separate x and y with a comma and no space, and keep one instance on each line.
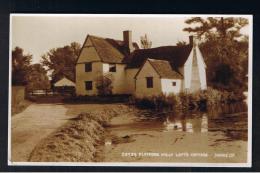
(191,40)
(128,40)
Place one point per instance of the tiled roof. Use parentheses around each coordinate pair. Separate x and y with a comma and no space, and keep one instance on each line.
(164,69)
(110,50)
(176,55)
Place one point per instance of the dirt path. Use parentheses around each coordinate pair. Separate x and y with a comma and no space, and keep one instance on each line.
(38,121)
(32,125)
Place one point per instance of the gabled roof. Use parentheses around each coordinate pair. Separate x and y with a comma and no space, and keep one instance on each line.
(64,82)
(110,50)
(162,68)
(176,55)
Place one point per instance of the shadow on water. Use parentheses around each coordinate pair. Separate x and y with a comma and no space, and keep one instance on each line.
(231,119)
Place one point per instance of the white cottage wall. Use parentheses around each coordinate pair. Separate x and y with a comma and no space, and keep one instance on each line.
(82,76)
(195,74)
(130,80)
(168,88)
(141,87)
(118,78)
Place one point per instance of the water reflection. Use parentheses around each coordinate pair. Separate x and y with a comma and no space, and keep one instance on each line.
(186,123)
(230,119)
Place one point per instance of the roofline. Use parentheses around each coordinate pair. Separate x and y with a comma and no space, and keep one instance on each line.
(143,66)
(100,61)
(66,78)
(82,48)
(157,71)
(95,47)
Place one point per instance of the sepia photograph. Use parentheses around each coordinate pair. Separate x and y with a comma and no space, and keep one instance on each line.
(130,90)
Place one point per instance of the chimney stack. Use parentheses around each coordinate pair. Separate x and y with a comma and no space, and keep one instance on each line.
(191,40)
(128,40)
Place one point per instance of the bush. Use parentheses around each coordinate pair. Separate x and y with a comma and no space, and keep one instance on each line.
(187,101)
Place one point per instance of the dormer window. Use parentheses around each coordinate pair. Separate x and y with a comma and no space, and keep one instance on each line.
(88,67)
(112,67)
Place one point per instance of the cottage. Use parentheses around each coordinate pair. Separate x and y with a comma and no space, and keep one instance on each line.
(142,72)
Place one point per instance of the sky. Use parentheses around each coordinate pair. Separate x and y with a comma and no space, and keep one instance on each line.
(36,35)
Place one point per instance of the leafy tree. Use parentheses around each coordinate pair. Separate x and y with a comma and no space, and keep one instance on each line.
(61,61)
(216,26)
(37,78)
(145,42)
(20,66)
(225,50)
(104,85)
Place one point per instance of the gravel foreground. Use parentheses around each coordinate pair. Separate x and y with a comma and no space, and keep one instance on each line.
(78,139)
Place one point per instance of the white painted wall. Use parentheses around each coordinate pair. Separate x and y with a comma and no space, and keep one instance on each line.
(130,80)
(82,76)
(118,78)
(202,69)
(141,88)
(88,53)
(168,88)
(189,71)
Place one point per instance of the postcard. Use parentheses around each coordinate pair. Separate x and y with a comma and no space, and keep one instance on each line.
(130,90)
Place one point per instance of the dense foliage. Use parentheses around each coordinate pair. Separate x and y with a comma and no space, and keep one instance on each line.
(20,66)
(61,61)
(33,76)
(37,78)
(188,101)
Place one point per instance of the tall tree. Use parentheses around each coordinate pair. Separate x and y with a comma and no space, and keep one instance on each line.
(37,78)
(224,48)
(61,61)
(20,66)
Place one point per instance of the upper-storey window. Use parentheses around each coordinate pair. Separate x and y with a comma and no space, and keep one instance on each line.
(88,67)
(112,67)
(174,83)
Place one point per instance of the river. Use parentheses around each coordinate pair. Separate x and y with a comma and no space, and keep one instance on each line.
(213,136)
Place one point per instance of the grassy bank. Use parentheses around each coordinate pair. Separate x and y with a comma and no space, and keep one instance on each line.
(77,140)
(188,101)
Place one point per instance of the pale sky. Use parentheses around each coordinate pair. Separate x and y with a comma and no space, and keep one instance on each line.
(38,34)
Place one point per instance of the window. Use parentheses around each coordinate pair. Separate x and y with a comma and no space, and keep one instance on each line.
(88,85)
(173,83)
(112,67)
(149,82)
(88,67)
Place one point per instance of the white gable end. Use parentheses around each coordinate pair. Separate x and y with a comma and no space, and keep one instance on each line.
(88,52)
(201,69)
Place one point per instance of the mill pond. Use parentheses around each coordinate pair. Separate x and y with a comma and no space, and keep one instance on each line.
(216,135)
